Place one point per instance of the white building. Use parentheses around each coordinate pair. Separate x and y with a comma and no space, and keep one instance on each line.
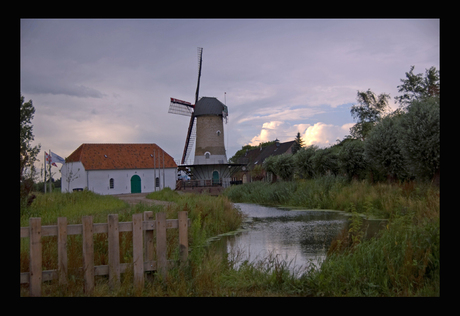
(118,168)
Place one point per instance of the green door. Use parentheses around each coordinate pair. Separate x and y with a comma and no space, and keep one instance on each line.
(135,184)
(215,177)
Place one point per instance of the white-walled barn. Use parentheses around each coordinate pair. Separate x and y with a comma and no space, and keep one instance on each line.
(118,168)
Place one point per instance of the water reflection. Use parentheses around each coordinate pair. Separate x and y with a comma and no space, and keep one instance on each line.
(299,237)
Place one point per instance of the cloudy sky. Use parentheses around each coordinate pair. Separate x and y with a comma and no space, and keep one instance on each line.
(110,81)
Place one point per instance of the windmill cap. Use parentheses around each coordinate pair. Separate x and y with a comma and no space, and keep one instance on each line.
(210,106)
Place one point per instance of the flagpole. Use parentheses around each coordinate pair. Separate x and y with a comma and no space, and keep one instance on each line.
(44,167)
(51,190)
(163,169)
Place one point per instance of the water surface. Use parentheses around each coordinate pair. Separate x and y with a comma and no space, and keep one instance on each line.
(300,237)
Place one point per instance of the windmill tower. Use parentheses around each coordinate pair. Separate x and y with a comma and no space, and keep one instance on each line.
(206,130)
(210,147)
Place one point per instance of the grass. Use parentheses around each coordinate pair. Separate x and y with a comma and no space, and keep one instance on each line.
(217,214)
(210,216)
(403,261)
(74,205)
(379,200)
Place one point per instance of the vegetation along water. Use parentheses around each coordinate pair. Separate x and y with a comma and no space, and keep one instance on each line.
(404,259)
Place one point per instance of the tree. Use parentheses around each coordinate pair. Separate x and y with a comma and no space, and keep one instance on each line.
(382,148)
(325,161)
(367,112)
(303,162)
(298,143)
(27,153)
(269,166)
(421,138)
(417,87)
(284,166)
(70,175)
(240,153)
(257,173)
(351,158)
(431,83)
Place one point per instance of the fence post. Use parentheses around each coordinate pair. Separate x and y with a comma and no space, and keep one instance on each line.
(35,243)
(88,253)
(35,263)
(148,237)
(183,235)
(138,258)
(162,262)
(114,251)
(62,250)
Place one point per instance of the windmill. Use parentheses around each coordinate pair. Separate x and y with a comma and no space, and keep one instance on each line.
(206,125)
(206,131)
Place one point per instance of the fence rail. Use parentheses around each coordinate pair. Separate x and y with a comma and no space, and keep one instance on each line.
(142,228)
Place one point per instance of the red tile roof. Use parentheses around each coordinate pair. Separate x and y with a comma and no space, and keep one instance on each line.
(121,156)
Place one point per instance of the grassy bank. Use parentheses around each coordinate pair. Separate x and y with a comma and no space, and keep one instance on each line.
(50,206)
(210,216)
(404,260)
(216,215)
(329,192)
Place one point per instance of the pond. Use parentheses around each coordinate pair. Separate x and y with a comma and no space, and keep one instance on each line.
(299,237)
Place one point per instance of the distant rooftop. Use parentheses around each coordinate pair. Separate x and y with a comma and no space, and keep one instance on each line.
(257,157)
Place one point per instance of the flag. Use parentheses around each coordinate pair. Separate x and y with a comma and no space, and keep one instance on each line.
(56,158)
(49,160)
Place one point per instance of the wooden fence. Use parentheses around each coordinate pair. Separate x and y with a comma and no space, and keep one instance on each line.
(142,231)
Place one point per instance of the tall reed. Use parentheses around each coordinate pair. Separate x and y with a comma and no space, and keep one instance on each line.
(404,259)
(217,214)
(380,200)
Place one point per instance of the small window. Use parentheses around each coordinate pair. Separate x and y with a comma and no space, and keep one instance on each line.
(207,155)
(157,182)
(218,133)
(111,183)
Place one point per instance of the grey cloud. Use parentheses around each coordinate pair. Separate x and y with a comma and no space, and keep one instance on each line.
(81,91)
(73,90)
(299,71)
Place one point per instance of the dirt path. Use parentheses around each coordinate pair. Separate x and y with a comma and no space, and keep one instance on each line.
(135,198)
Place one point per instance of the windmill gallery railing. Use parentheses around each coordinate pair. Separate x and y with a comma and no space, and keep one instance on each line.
(184,184)
(142,243)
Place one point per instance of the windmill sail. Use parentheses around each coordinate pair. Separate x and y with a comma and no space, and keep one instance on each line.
(180,107)
(200,61)
(185,108)
(190,140)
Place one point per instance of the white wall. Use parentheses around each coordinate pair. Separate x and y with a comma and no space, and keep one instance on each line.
(98,181)
(73,175)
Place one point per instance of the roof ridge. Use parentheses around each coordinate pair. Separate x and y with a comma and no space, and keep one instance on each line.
(96,156)
(119,144)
